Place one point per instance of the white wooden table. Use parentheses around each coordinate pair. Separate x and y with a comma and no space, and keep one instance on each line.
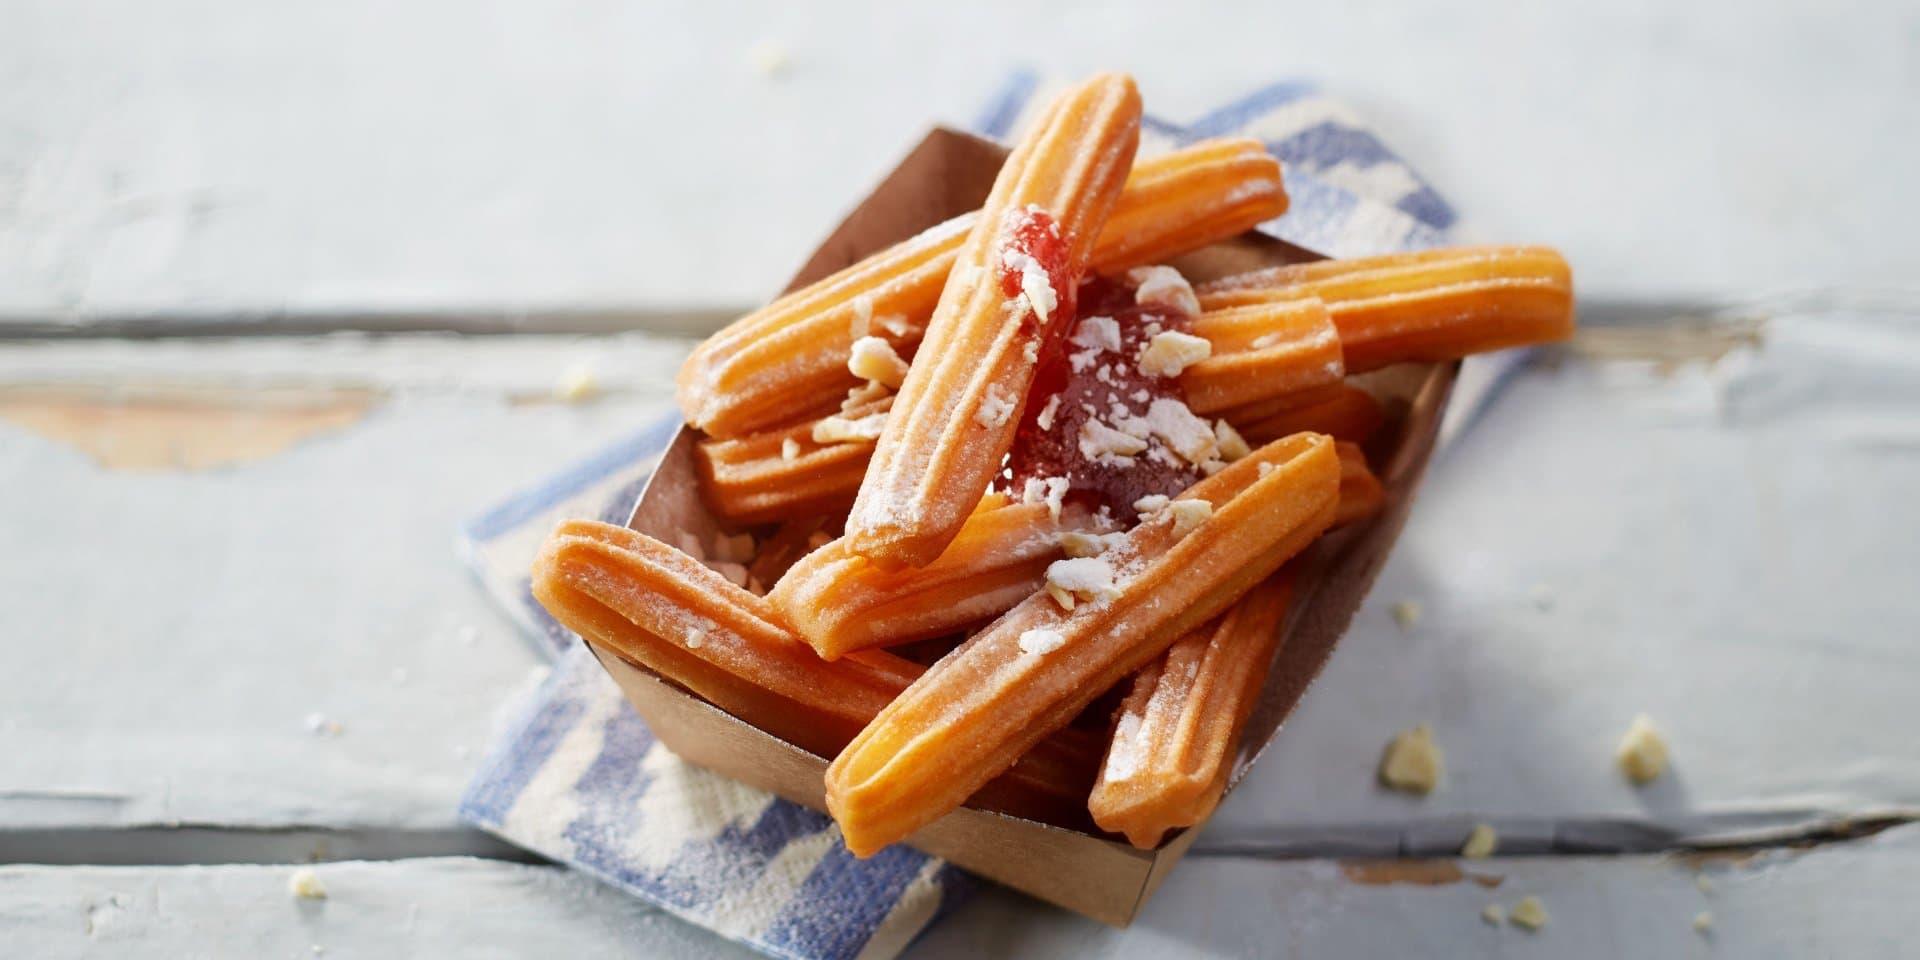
(228,521)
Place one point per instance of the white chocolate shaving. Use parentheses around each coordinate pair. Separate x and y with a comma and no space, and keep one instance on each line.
(995,409)
(1097,440)
(1170,352)
(862,317)
(1045,420)
(1412,762)
(1188,515)
(873,359)
(1035,286)
(1040,641)
(841,430)
(1643,751)
(1100,333)
(1232,445)
(1163,286)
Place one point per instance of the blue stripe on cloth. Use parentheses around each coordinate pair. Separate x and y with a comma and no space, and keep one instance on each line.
(516,757)
(996,121)
(1234,117)
(844,900)
(709,869)
(530,503)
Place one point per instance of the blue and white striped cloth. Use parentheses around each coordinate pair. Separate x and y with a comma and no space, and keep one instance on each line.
(578,778)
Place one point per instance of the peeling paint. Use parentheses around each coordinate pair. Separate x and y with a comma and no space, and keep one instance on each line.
(150,429)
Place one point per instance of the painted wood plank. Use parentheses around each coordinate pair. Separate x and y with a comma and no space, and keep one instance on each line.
(1848,899)
(605,163)
(1718,544)
(185,639)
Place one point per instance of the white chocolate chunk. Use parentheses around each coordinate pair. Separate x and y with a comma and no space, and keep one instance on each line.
(1041,641)
(1035,286)
(789,449)
(1150,504)
(862,323)
(873,359)
(1170,352)
(1232,445)
(306,885)
(1643,751)
(1045,420)
(1412,762)
(1097,439)
(865,393)
(995,409)
(1529,914)
(1089,578)
(1098,333)
(842,430)
(1481,842)
(1061,596)
(1176,426)
(1493,914)
(696,639)
(1163,286)
(1188,515)
(1077,544)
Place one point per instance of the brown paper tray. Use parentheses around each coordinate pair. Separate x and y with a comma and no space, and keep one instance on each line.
(947,174)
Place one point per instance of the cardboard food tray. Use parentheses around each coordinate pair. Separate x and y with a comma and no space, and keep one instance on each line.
(947,174)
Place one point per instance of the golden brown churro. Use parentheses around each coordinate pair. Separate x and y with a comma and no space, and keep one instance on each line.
(1013,290)
(1032,670)
(657,607)
(839,602)
(786,472)
(1261,351)
(1429,306)
(1175,737)
(1361,495)
(788,360)
(1346,412)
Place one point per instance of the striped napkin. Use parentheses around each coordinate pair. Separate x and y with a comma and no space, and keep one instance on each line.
(578,778)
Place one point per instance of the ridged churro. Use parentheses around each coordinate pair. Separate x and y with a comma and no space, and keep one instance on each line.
(1176,735)
(666,611)
(1012,292)
(1430,306)
(840,602)
(1345,412)
(1031,671)
(1180,201)
(1361,494)
(796,471)
(1263,350)
(662,609)
(788,360)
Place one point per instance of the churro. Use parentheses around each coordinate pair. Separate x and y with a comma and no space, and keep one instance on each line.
(1031,671)
(1430,306)
(1183,200)
(840,602)
(1013,289)
(1361,494)
(788,360)
(1261,351)
(1345,412)
(800,470)
(662,609)
(1175,736)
